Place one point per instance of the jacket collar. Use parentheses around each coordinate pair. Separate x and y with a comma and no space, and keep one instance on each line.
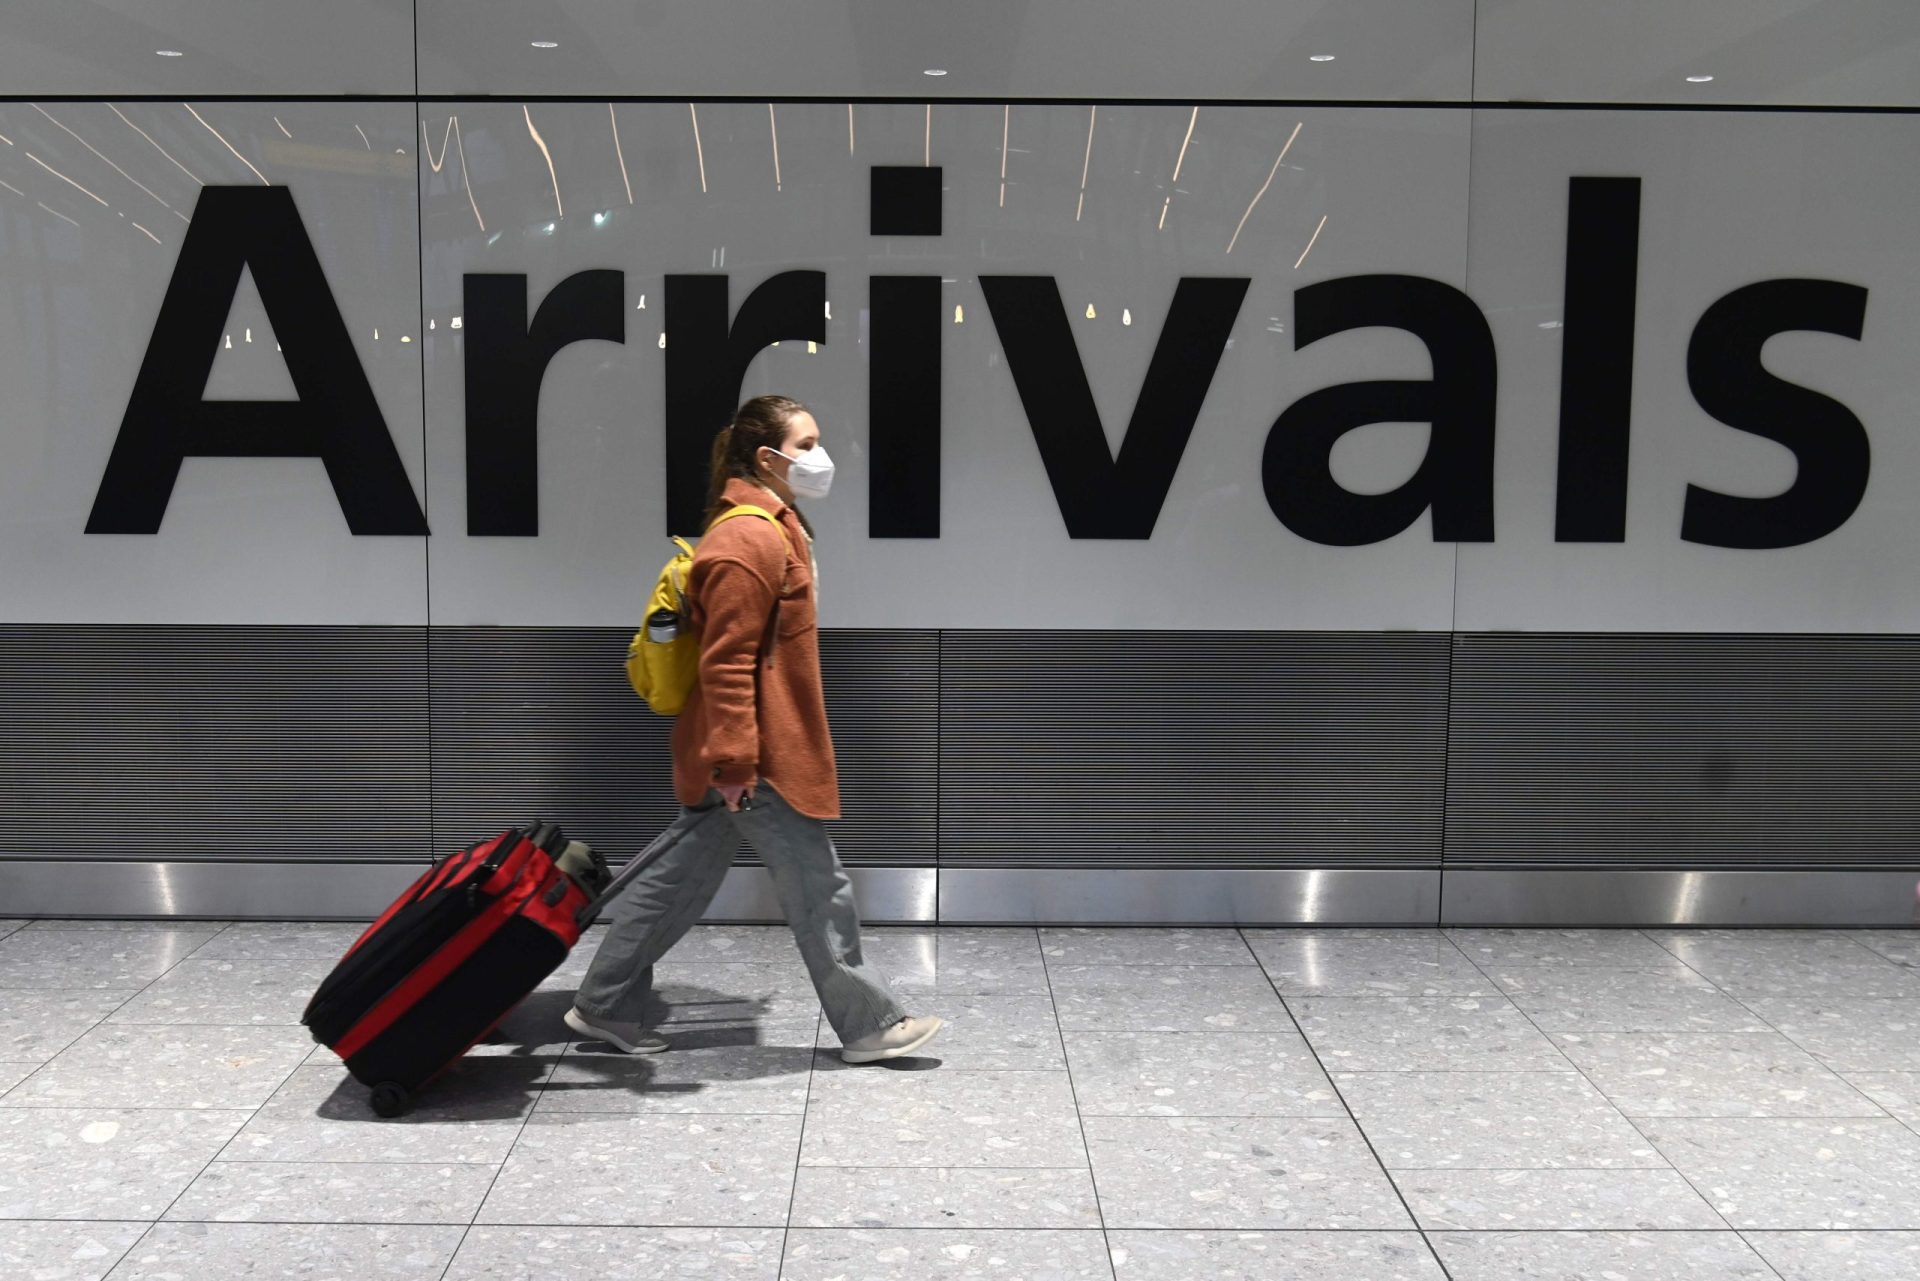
(746,493)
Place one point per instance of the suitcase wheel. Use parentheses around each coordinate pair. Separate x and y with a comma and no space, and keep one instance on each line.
(390,1099)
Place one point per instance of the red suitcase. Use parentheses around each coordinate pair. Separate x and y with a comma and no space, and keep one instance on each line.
(452,957)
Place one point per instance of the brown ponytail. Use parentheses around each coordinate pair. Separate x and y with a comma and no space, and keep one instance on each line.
(761,423)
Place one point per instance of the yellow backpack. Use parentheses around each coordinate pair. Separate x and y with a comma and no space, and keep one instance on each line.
(663,658)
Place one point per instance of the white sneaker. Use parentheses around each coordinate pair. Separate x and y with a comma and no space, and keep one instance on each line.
(627,1037)
(898,1041)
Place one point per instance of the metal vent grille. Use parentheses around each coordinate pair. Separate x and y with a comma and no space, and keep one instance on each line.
(169,743)
(1192,749)
(1684,751)
(531,722)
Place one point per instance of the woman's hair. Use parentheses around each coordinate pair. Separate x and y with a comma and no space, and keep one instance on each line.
(759,424)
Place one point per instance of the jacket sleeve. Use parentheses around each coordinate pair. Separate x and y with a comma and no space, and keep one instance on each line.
(736,598)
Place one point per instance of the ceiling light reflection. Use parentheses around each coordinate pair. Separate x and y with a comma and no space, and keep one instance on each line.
(229,146)
(1321,57)
(1263,187)
(1006,124)
(63,178)
(618,153)
(149,137)
(1192,120)
(1093,118)
(1310,244)
(540,142)
(700,152)
(773,124)
(116,168)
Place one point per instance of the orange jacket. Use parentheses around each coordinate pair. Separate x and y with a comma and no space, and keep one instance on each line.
(746,718)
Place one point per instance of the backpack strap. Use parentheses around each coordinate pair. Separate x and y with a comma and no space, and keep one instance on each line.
(747,509)
(773,620)
(677,572)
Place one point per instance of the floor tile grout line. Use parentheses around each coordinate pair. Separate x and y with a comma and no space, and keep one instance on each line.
(1741,1233)
(1534,1169)
(1829,1068)
(800,1145)
(500,1168)
(1617,1109)
(238,1130)
(931,1228)
(1853,937)
(133,994)
(1352,1119)
(228,1164)
(79,1036)
(1764,1260)
(1008,1231)
(1079,1117)
(146,1230)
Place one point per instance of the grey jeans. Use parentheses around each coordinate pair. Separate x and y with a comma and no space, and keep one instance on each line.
(667,899)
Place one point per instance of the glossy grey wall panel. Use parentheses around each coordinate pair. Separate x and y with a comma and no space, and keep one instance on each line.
(194,48)
(1398,49)
(234,890)
(1190,896)
(532,722)
(1780,52)
(95,203)
(1726,200)
(1191,749)
(1280,198)
(1711,898)
(156,743)
(1687,752)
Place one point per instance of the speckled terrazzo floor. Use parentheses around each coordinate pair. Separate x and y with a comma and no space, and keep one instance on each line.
(1136,1105)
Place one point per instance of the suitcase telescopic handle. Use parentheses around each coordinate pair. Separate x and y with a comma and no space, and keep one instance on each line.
(639,863)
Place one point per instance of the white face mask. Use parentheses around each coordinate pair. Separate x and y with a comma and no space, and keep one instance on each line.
(811,475)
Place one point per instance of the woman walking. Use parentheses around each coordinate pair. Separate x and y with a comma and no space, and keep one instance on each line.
(752,756)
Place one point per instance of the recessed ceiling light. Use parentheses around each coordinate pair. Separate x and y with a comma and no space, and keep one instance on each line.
(1699,80)
(1321,57)
(934,71)
(546,44)
(168,53)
